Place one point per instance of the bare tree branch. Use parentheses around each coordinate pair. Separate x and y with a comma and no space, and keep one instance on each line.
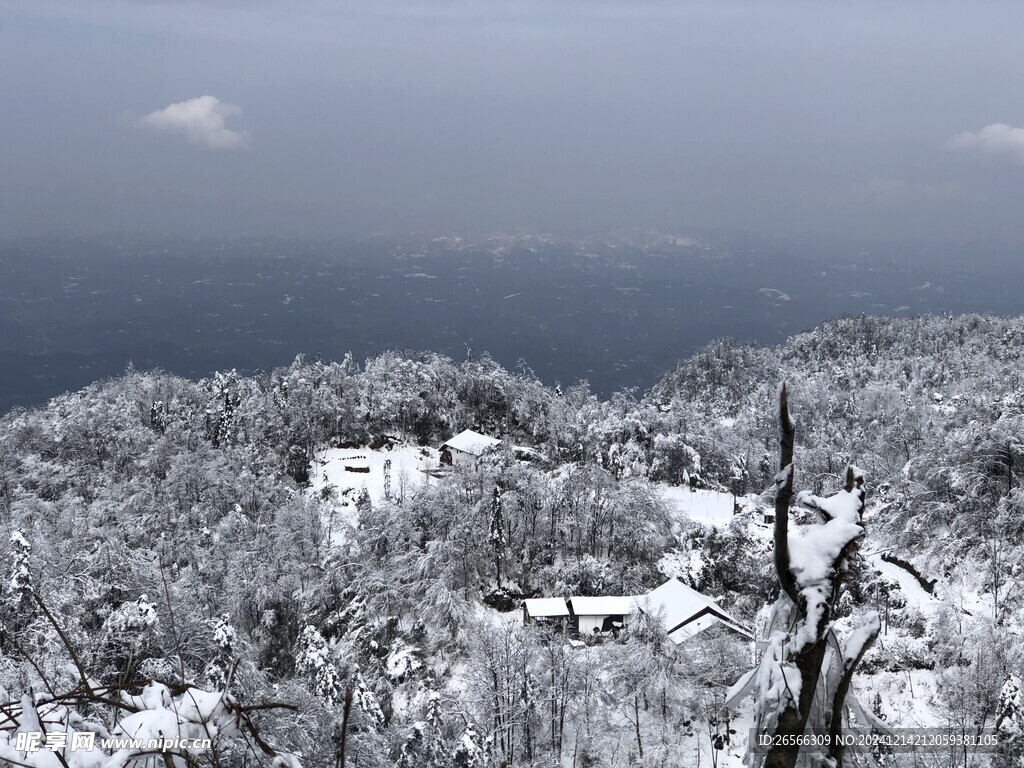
(65,640)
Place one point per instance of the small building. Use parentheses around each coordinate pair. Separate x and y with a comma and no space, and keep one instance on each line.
(682,611)
(466,447)
(546,610)
(685,612)
(600,615)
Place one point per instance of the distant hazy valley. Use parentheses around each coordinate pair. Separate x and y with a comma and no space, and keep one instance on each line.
(618,311)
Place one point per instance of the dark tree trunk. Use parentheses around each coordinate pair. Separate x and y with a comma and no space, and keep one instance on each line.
(793,720)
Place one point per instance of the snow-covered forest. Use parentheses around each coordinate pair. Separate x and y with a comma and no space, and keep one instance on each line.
(179,556)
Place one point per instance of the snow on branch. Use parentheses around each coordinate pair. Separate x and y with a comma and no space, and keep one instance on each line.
(861,639)
(819,553)
(66,729)
(847,504)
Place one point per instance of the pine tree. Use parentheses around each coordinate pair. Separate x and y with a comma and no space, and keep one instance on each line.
(130,636)
(314,660)
(224,637)
(220,416)
(1010,725)
(18,608)
(158,416)
(297,464)
(882,754)
(468,752)
(20,586)
(437,750)
(364,698)
(411,754)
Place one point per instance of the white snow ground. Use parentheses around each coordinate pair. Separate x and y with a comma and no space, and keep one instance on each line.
(708,507)
(328,472)
(408,463)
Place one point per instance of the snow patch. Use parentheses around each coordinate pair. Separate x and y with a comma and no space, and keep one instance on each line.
(708,507)
(352,469)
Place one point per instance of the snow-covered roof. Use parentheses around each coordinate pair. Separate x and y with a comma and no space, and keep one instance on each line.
(706,621)
(685,611)
(471,442)
(677,603)
(546,607)
(602,606)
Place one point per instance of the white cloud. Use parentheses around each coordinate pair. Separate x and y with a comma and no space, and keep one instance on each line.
(995,139)
(201,121)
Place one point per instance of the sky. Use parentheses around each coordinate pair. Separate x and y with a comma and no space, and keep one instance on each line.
(328,118)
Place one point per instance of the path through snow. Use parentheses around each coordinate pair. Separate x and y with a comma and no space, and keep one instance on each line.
(909,585)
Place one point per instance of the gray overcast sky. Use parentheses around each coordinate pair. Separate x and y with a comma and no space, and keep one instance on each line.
(330,117)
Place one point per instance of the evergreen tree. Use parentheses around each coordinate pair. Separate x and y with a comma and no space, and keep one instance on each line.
(20,586)
(316,662)
(18,606)
(1010,725)
(468,752)
(220,668)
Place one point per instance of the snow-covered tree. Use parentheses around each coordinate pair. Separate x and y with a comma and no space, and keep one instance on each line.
(1010,725)
(469,752)
(365,699)
(805,674)
(224,637)
(130,635)
(19,588)
(315,660)
(221,422)
(413,748)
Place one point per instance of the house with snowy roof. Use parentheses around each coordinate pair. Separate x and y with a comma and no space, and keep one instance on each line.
(466,447)
(598,616)
(546,610)
(685,612)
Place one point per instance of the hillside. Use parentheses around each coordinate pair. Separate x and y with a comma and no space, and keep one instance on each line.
(277,535)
